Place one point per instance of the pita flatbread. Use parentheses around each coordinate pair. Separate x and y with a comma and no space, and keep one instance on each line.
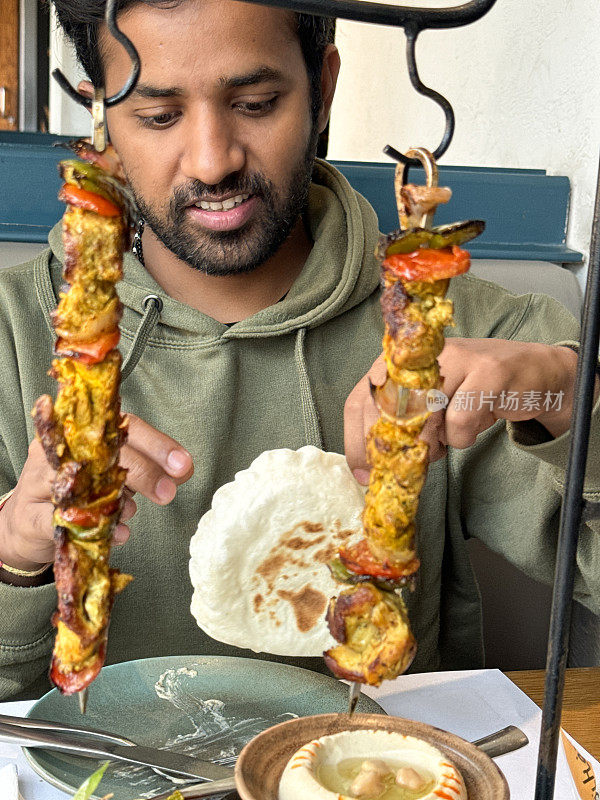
(259,557)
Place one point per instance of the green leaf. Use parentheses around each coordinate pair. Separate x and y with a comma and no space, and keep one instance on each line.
(88,787)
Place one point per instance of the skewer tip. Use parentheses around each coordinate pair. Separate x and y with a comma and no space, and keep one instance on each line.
(354,694)
(82,697)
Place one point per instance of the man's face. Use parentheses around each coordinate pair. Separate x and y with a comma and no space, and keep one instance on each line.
(217,140)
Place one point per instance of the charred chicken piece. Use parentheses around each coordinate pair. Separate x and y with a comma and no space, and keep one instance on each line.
(372,627)
(88,587)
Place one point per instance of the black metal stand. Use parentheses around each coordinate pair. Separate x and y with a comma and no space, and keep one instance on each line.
(570,521)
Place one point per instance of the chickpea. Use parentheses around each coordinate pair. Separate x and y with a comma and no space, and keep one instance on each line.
(370,780)
(408,778)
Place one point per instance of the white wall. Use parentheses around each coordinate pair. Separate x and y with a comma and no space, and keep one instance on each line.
(65,115)
(524,82)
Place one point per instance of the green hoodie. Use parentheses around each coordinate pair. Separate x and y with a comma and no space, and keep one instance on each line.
(280,379)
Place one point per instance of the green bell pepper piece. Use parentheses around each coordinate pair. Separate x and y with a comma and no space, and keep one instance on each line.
(435,238)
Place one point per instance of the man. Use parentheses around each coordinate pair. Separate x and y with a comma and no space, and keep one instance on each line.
(269,321)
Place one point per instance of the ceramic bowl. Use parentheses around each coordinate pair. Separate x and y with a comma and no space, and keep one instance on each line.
(262,761)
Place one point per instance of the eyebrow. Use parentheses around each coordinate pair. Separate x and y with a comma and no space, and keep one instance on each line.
(145,90)
(260,75)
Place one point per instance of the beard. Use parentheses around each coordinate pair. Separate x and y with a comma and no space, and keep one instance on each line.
(244,249)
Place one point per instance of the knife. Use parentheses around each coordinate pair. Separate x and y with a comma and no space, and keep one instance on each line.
(176,764)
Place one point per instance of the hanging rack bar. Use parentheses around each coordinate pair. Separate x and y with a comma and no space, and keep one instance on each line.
(385,14)
(570,520)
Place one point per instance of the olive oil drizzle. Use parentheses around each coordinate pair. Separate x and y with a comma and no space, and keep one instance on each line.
(338,778)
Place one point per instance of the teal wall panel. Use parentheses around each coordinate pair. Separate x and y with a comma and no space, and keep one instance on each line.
(525,210)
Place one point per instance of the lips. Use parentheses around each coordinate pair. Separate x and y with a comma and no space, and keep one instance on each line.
(226,214)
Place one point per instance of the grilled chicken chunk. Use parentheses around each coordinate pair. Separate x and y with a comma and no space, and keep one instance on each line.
(376,641)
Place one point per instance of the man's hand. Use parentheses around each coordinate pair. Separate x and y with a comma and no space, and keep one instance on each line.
(156,465)
(485,380)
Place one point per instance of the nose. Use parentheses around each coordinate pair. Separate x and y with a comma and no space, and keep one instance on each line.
(212,149)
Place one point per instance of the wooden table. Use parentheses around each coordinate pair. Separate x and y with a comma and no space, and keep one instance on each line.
(581,702)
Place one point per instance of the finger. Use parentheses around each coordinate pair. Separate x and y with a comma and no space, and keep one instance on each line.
(442,431)
(354,426)
(121,534)
(129,510)
(146,477)
(437,453)
(462,430)
(165,451)
(38,531)
(378,371)
(433,434)
(454,365)
(466,417)
(362,476)
(369,414)
(37,475)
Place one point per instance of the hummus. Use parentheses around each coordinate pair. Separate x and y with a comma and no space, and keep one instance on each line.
(326,768)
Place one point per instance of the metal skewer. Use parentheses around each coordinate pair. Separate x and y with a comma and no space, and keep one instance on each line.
(353,695)
(82,697)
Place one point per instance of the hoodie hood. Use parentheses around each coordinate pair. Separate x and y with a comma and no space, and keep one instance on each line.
(339,273)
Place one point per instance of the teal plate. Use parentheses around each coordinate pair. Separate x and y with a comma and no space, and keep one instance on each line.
(208,706)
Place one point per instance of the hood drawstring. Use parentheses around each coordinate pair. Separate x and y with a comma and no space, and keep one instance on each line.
(310,415)
(153,305)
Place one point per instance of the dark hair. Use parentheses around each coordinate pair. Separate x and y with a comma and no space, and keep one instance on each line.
(80,20)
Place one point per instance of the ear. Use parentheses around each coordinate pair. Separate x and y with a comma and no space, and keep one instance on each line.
(86,88)
(329,76)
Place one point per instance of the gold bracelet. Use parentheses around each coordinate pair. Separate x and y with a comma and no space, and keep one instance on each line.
(5,498)
(22,573)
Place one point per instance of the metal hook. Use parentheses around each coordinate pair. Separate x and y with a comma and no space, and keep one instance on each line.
(411,38)
(128,87)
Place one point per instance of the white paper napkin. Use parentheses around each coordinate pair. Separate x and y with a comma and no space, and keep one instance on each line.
(9,783)
(473,704)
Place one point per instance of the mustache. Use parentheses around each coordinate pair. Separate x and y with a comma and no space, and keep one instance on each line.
(257,184)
